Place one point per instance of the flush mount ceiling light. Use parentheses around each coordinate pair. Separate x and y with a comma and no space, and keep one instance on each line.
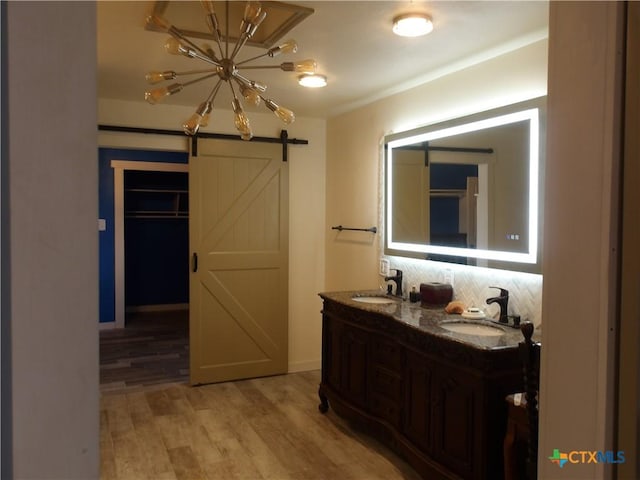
(312,80)
(222,66)
(412,25)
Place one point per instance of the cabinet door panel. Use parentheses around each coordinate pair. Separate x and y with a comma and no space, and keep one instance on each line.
(331,352)
(457,421)
(386,383)
(386,409)
(354,365)
(418,405)
(388,354)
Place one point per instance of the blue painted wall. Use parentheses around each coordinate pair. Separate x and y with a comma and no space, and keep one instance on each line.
(106,212)
(444,211)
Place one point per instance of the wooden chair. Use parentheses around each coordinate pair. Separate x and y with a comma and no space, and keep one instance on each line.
(521,440)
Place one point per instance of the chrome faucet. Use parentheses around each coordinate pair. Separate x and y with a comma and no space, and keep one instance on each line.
(397,279)
(503,301)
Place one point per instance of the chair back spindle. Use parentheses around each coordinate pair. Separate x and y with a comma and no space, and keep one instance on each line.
(530,357)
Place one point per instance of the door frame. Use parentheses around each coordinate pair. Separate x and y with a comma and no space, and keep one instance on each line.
(119,167)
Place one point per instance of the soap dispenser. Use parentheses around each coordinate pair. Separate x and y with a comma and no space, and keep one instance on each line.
(414,295)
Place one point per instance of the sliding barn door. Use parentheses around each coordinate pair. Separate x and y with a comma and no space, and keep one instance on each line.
(239,241)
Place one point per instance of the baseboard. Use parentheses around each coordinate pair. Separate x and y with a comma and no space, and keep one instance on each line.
(106,325)
(157,308)
(305,366)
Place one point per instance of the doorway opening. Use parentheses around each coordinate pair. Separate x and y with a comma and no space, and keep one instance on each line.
(149,226)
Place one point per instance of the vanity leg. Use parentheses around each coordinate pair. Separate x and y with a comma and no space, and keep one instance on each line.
(324,403)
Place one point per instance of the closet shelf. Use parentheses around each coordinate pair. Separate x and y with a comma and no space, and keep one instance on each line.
(447,192)
(157,202)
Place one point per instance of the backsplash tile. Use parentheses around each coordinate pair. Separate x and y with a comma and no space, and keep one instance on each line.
(471,285)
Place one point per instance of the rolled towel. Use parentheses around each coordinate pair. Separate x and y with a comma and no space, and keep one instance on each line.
(454,307)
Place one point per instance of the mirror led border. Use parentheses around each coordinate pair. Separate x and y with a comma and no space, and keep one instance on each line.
(532,115)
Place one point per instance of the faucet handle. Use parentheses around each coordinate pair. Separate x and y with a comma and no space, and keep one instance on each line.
(503,292)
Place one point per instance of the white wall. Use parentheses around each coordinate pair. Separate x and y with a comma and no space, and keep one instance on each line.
(53,272)
(306,191)
(579,300)
(354,183)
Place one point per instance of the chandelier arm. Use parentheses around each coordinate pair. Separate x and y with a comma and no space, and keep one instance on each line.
(214,91)
(248,82)
(194,72)
(215,30)
(226,29)
(233,92)
(196,80)
(212,22)
(241,43)
(205,58)
(255,67)
(251,59)
(199,52)
(241,78)
(219,43)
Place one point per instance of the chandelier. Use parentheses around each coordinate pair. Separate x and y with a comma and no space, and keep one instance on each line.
(223,66)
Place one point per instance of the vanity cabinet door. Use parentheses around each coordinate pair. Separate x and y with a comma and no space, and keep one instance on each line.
(331,352)
(418,405)
(457,421)
(354,369)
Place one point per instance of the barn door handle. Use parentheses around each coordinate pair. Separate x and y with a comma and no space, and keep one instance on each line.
(194,262)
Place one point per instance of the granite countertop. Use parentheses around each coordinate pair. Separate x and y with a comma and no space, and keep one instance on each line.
(430,320)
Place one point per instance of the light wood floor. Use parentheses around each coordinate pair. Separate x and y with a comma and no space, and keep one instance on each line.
(267,428)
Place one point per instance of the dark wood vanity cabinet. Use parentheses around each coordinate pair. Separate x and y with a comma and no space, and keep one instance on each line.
(438,403)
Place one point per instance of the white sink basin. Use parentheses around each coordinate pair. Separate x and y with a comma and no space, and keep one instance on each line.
(374,299)
(480,330)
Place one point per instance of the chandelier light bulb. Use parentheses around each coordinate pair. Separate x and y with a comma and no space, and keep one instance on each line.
(282,113)
(241,121)
(253,17)
(251,10)
(305,66)
(208,7)
(290,46)
(174,47)
(200,118)
(250,95)
(192,125)
(253,13)
(412,25)
(157,77)
(158,95)
(158,23)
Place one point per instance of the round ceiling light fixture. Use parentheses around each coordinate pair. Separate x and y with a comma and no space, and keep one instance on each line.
(312,80)
(412,24)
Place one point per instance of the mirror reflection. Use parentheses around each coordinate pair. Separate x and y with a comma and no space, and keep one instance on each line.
(466,191)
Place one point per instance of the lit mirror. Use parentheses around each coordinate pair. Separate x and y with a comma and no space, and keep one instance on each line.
(468,190)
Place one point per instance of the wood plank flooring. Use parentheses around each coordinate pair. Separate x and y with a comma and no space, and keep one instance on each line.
(266,428)
(152,349)
(154,426)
